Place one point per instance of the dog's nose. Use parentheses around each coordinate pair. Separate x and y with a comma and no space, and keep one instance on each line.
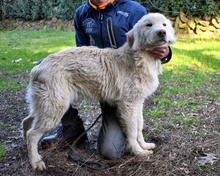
(161,33)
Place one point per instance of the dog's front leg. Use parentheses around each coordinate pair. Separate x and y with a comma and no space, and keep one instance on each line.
(140,119)
(129,112)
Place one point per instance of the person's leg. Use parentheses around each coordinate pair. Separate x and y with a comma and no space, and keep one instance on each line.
(71,127)
(111,140)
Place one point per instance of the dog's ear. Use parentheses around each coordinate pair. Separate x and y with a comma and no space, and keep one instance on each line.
(130,38)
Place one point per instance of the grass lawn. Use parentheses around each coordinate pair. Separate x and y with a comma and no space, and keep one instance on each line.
(182,117)
(20,51)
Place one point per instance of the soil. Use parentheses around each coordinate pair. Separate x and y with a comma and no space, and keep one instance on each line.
(179,151)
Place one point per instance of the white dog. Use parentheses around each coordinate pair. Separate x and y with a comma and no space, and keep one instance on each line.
(123,77)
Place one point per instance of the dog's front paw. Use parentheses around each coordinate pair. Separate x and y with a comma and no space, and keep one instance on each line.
(39,164)
(148,146)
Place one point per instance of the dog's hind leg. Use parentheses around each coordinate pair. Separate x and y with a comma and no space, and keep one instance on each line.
(42,123)
(48,111)
(140,137)
(128,112)
(26,124)
(33,136)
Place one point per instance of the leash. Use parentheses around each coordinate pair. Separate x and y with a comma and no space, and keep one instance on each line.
(88,164)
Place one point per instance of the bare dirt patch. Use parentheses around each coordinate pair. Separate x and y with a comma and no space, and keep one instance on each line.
(180,144)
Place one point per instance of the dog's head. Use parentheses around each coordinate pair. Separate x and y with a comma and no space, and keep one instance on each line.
(151,31)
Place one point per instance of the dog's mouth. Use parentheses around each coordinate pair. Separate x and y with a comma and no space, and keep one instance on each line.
(163,40)
(157,41)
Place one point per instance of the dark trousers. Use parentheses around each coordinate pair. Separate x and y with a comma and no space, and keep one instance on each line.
(111,141)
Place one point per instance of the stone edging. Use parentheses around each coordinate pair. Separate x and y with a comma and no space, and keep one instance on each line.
(197,26)
(20,25)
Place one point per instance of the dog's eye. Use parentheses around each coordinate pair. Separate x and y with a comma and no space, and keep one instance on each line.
(164,24)
(149,25)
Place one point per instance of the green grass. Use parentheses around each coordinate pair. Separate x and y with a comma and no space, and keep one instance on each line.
(29,47)
(195,62)
(196,54)
(189,81)
(2,146)
(2,151)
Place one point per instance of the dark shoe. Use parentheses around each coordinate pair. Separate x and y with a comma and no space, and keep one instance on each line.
(64,136)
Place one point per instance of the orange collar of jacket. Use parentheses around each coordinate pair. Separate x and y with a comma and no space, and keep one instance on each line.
(101,7)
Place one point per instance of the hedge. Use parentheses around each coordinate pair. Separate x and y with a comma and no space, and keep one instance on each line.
(39,9)
(192,8)
(65,9)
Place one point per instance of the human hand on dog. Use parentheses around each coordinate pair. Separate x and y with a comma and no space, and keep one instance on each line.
(160,52)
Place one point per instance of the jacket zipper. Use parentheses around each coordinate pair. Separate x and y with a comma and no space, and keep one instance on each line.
(101,17)
(111,33)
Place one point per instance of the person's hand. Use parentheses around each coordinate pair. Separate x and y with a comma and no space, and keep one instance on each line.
(160,53)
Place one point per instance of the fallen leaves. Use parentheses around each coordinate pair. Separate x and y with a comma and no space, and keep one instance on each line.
(20,59)
(210,158)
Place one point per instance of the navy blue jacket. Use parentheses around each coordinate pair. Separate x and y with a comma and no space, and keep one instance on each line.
(107,28)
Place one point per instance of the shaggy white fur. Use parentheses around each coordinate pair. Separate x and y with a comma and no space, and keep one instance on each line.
(123,77)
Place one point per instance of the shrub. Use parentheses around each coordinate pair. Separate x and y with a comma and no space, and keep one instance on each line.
(39,9)
(65,9)
(195,8)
